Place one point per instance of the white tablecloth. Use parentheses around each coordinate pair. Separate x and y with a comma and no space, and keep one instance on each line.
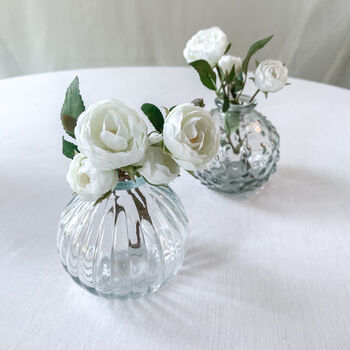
(264,271)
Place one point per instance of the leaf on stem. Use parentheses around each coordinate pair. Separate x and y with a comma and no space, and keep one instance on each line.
(206,74)
(72,107)
(130,170)
(198,102)
(106,195)
(252,50)
(154,115)
(238,83)
(231,75)
(69,124)
(227,48)
(68,148)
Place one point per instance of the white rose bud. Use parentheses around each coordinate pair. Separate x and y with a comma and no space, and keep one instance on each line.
(226,63)
(271,76)
(112,135)
(158,168)
(87,181)
(207,44)
(191,135)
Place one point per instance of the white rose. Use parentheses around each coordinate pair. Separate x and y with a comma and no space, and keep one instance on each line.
(271,76)
(154,138)
(191,135)
(207,44)
(87,181)
(158,168)
(226,63)
(111,135)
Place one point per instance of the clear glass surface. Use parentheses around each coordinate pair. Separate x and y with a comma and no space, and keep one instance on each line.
(129,244)
(248,156)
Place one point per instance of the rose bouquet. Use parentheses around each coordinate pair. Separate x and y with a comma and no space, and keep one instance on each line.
(124,232)
(249,146)
(113,143)
(207,52)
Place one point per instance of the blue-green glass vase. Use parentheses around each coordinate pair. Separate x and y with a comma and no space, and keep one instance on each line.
(249,149)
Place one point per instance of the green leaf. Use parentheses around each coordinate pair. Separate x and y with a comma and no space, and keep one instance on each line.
(69,124)
(238,83)
(227,48)
(206,74)
(226,104)
(221,73)
(171,108)
(252,50)
(231,75)
(154,115)
(73,105)
(232,122)
(256,63)
(106,195)
(265,93)
(130,170)
(198,102)
(68,148)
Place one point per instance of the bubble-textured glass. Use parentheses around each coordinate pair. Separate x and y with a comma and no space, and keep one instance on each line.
(247,156)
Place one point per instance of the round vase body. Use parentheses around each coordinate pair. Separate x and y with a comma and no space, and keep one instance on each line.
(248,153)
(127,245)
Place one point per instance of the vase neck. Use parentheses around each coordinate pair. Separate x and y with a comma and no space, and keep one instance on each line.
(243,107)
(126,185)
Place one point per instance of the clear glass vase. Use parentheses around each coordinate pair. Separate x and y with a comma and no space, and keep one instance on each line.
(249,149)
(129,244)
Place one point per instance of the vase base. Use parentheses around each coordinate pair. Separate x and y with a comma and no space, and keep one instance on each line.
(238,186)
(114,295)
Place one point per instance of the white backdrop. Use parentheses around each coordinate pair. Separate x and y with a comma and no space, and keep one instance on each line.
(311,36)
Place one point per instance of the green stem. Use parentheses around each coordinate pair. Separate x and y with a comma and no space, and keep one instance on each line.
(252,98)
(237,99)
(222,83)
(228,135)
(245,80)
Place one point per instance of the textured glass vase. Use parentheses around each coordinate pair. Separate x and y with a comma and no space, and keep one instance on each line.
(248,153)
(129,244)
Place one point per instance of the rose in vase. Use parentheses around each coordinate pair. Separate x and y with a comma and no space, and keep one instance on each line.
(111,135)
(112,138)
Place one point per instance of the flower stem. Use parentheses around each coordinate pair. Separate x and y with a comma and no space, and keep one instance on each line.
(244,82)
(252,98)
(222,83)
(123,176)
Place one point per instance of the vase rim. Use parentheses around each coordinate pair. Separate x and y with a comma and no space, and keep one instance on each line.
(129,184)
(245,106)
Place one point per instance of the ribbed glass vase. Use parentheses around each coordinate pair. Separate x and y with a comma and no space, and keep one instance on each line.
(129,244)
(249,149)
